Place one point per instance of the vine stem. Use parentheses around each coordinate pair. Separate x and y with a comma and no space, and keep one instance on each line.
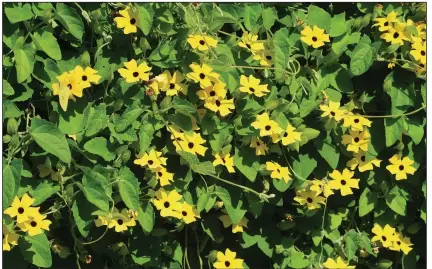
(322,230)
(396,115)
(237,185)
(289,166)
(198,248)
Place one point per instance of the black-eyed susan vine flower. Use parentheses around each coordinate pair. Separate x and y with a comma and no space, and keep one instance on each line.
(259,146)
(202,42)
(333,111)
(309,198)
(187,212)
(356,140)
(153,159)
(10,239)
(266,126)
(214,91)
(401,243)
(67,87)
(290,136)
(386,23)
(251,85)
(86,76)
(192,143)
(172,84)
(385,235)
(360,162)
(128,20)
(250,41)
(321,187)
(339,263)
(35,225)
(400,167)
(22,209)
(278,172)
(228,260)
(418,51)
(236,227)
(119,220)
(344,182)
(134,72)
(163,176)
(356,122)
(314,37)
(202,74)
(220,105)
(223,158)
(397,34)
(167,203)
(265,57)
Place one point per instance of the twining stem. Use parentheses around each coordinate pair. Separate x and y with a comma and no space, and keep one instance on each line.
(198,248)
(237,185)
(289,166)
(322,230)
(396,115)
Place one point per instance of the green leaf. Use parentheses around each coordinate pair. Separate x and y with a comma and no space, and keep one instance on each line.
(24,63)
(70,20)
(36,250)
(308,134)
(338,25)
(399,85)
(393,130)
(129,186)
(146,217)
(384,264)
(361,59)
(128,117)
(235,213)
(7,88)
(183,106)
(74,120)
(11,180)
(415,130)
(145,136)
(204,168)
(304,165)
(48,44)
(145,18)
(247,162)
(368,201)
(95,188)
(97,121)
(50,139)
(329,152)
(251,16)
(43,191)
(350,246)
(282,52)
(82,213)
(396,201)
(18,13)
(98,146)
(269,16)
(319,17)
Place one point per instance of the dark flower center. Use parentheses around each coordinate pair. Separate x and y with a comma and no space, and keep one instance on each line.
(363,158)
(332,113)
(386,23)
(248,46)
(268,127)
(150,162)
(160,174)
(166,204)
(252,89)
(268,57)
(69,86)
(286,134)
(258,144)
(202,42)
(33,224)
(223,160)
(343,182)
(212,93)
(356,139)
(132,21)
(398,242)
(227,263)
(202,76)
(184,213)
(20,210)
(401,167)
(356,121)
(423,53)
(191,145)
(135,74)
(218,103)
(384,238)
(314,39)
(309,200)
(421,65)
(84,78)
(172,86)
(395,35)
(120,221)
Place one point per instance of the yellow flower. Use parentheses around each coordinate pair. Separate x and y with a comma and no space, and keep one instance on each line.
(102,220)
(128,20)
(420,27)
(172,85)
(202,42)
(356,122)
(360,162)
(120,221)
(215,91)
(265,57)
(21,209)
(356,140)
(311,199)
(343,182)
(289,137)
(35,225)
(85,76)
(401,243)
(396,34)
(202,74)
(236,227)
(192,143)
(187,212)
(386,235)
(153,159)
(278,172)
(72,83)
(228,260)
(166,203)
(250,41)
(418,51)
(338,264)
(391,64)
(134,72)
(314,37)
(333,111)
(252,85)
(9,238)
(266,126)
(223,106)
(321,186)
(401,167)
(163,176)
(259,146)
(224,158)
(385,24)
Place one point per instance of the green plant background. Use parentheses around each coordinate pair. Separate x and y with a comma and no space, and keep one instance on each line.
(41,41)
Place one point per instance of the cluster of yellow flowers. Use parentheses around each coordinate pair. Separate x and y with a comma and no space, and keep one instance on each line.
(120,221)
(73,83)
(259,49)
(391,239)
(156,163)
(396,32)
(28,219)
(169,205)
